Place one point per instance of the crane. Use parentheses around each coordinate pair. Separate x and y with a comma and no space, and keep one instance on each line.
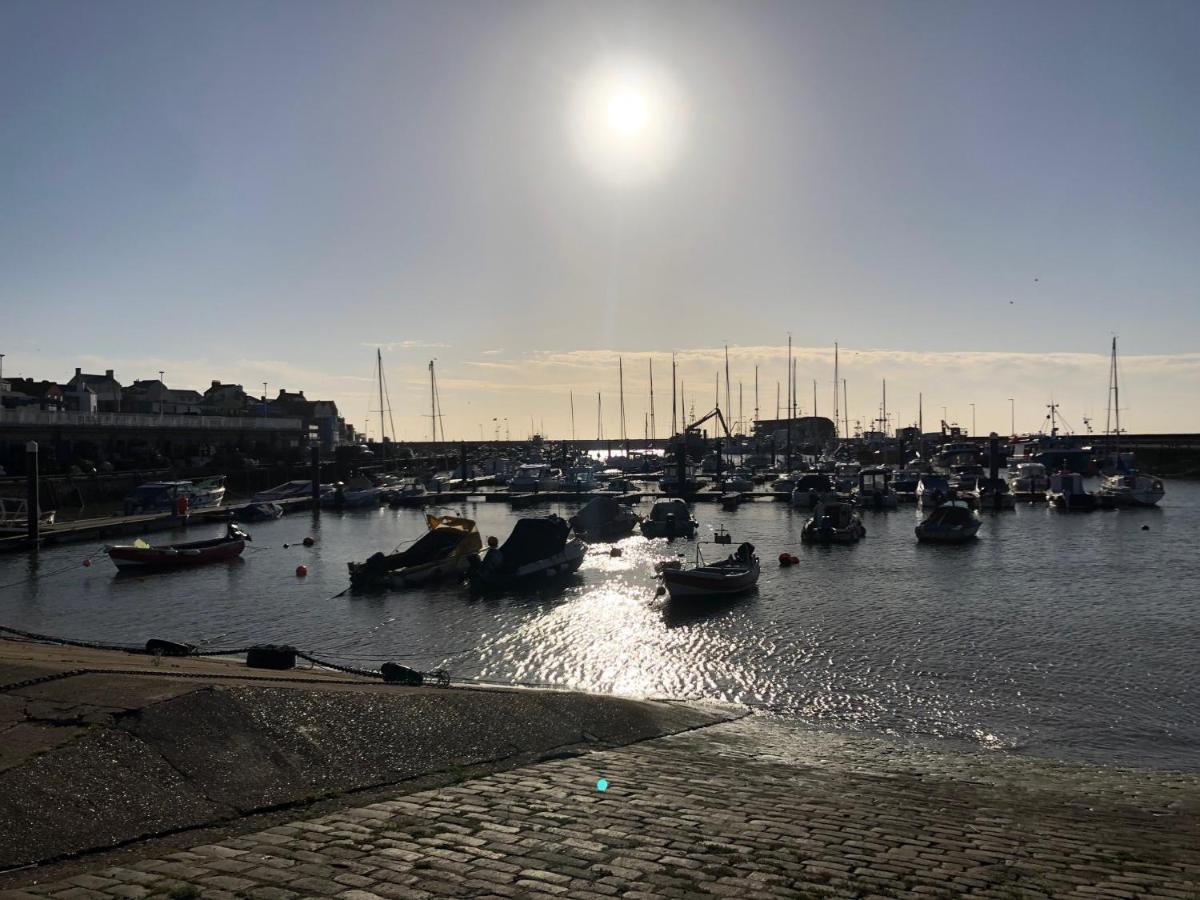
(695,426)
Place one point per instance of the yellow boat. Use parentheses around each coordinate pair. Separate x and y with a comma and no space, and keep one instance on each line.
(446,550)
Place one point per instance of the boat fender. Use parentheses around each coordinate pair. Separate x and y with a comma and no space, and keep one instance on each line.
(158,646)
(1145,528)
(308,542)
(785,559)
(394,673)
(271,656)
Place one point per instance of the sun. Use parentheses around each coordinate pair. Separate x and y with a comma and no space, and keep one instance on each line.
(627,121)
(628,111)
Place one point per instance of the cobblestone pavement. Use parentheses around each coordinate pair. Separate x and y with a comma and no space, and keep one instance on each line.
(749,809)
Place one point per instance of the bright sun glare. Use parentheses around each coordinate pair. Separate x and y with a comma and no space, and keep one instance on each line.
(627,121)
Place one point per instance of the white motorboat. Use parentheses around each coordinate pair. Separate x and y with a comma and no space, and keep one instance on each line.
(1029,479)
(735,575)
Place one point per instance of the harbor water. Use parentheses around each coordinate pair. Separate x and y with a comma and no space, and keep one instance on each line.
(1069,636)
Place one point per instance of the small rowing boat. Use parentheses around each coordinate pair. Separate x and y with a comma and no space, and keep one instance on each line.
(140,555)
(735,575)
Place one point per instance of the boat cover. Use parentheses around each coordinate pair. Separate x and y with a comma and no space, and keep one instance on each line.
(533,539)
(597,512)
(664,508)
(949,515)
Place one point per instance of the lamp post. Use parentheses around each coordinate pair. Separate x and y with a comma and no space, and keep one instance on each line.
(1012,414)
(161,396)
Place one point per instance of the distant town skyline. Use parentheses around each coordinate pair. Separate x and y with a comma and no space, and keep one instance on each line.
(970,198)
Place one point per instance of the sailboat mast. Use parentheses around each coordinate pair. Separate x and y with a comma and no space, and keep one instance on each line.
(845,409)
(791,407)
(599,418)
(653,434)
(756,396)
(432,405)
(728,405)
(741,421)
(621,390)
(674,419)
(835,390)
(379,367)
(572,416)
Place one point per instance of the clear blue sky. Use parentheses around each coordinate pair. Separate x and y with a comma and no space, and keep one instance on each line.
(256,191)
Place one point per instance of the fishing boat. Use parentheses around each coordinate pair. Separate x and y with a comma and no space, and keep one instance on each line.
(538,548)
(604,519)
(734,575)
(874,490)
(1067,493)
(1131,488)
(833,523)
(446,549)
(1029,480)
(669,518)
(142,556)
(166,496)
(951,523)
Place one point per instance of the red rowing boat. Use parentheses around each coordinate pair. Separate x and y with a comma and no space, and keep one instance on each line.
(140,555)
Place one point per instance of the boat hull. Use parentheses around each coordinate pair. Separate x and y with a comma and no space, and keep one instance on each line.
(563,563)
(173,557)
(709,582)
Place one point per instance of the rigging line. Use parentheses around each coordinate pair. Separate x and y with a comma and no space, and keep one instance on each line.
(387,395)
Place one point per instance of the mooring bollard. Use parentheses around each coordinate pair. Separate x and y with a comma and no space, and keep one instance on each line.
(32,506)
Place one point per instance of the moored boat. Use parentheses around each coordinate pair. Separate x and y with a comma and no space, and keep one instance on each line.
(833,523)
(1029,480)
(810,488)
(734,575)
(669,518)
(446,549)
(874,490)
(1067,493)
(172,496)
(992,494)
(538,548)
(143,556)
(1132,489)
(951,523)
(604,519)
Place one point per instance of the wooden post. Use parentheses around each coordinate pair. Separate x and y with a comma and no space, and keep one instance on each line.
(32,507)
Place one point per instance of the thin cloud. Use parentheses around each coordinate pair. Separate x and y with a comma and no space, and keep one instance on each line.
(408,345)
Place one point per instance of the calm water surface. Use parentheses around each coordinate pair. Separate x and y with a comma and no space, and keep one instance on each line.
(1073,636)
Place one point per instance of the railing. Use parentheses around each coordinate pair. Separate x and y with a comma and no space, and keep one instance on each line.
(136,420)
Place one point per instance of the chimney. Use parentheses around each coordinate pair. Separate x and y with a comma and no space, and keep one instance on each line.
(108,373)
(78,371)
(216,383)
(302,395)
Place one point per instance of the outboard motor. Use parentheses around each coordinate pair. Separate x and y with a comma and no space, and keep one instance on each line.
(233,531)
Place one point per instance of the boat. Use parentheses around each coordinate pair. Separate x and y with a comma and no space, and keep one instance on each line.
(251,512)
(538,548)
(731,501)
(357,493)
(992,494)
(874,490)
(734,575)
(932,490)
(604,519)
(1029,480)
(1123,485)
(408,494)
(1131,488)
(951,523)
(737,482)
(142,556)
(833,522)
(166,496)
(669,518)
(810,489)
(534,477)
(289,490)
(1067,493)
(580,479)
(446,549)
(14,516)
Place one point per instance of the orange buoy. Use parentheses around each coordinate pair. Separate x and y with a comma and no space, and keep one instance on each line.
(86,563)
(308,542)
(301,571)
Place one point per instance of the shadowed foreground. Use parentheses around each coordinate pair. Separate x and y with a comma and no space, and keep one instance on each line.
(752,808)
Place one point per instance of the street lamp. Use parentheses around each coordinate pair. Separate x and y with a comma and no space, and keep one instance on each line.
(1012,412)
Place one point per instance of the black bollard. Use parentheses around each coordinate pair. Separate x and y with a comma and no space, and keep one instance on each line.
(314,456)
(32,507)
